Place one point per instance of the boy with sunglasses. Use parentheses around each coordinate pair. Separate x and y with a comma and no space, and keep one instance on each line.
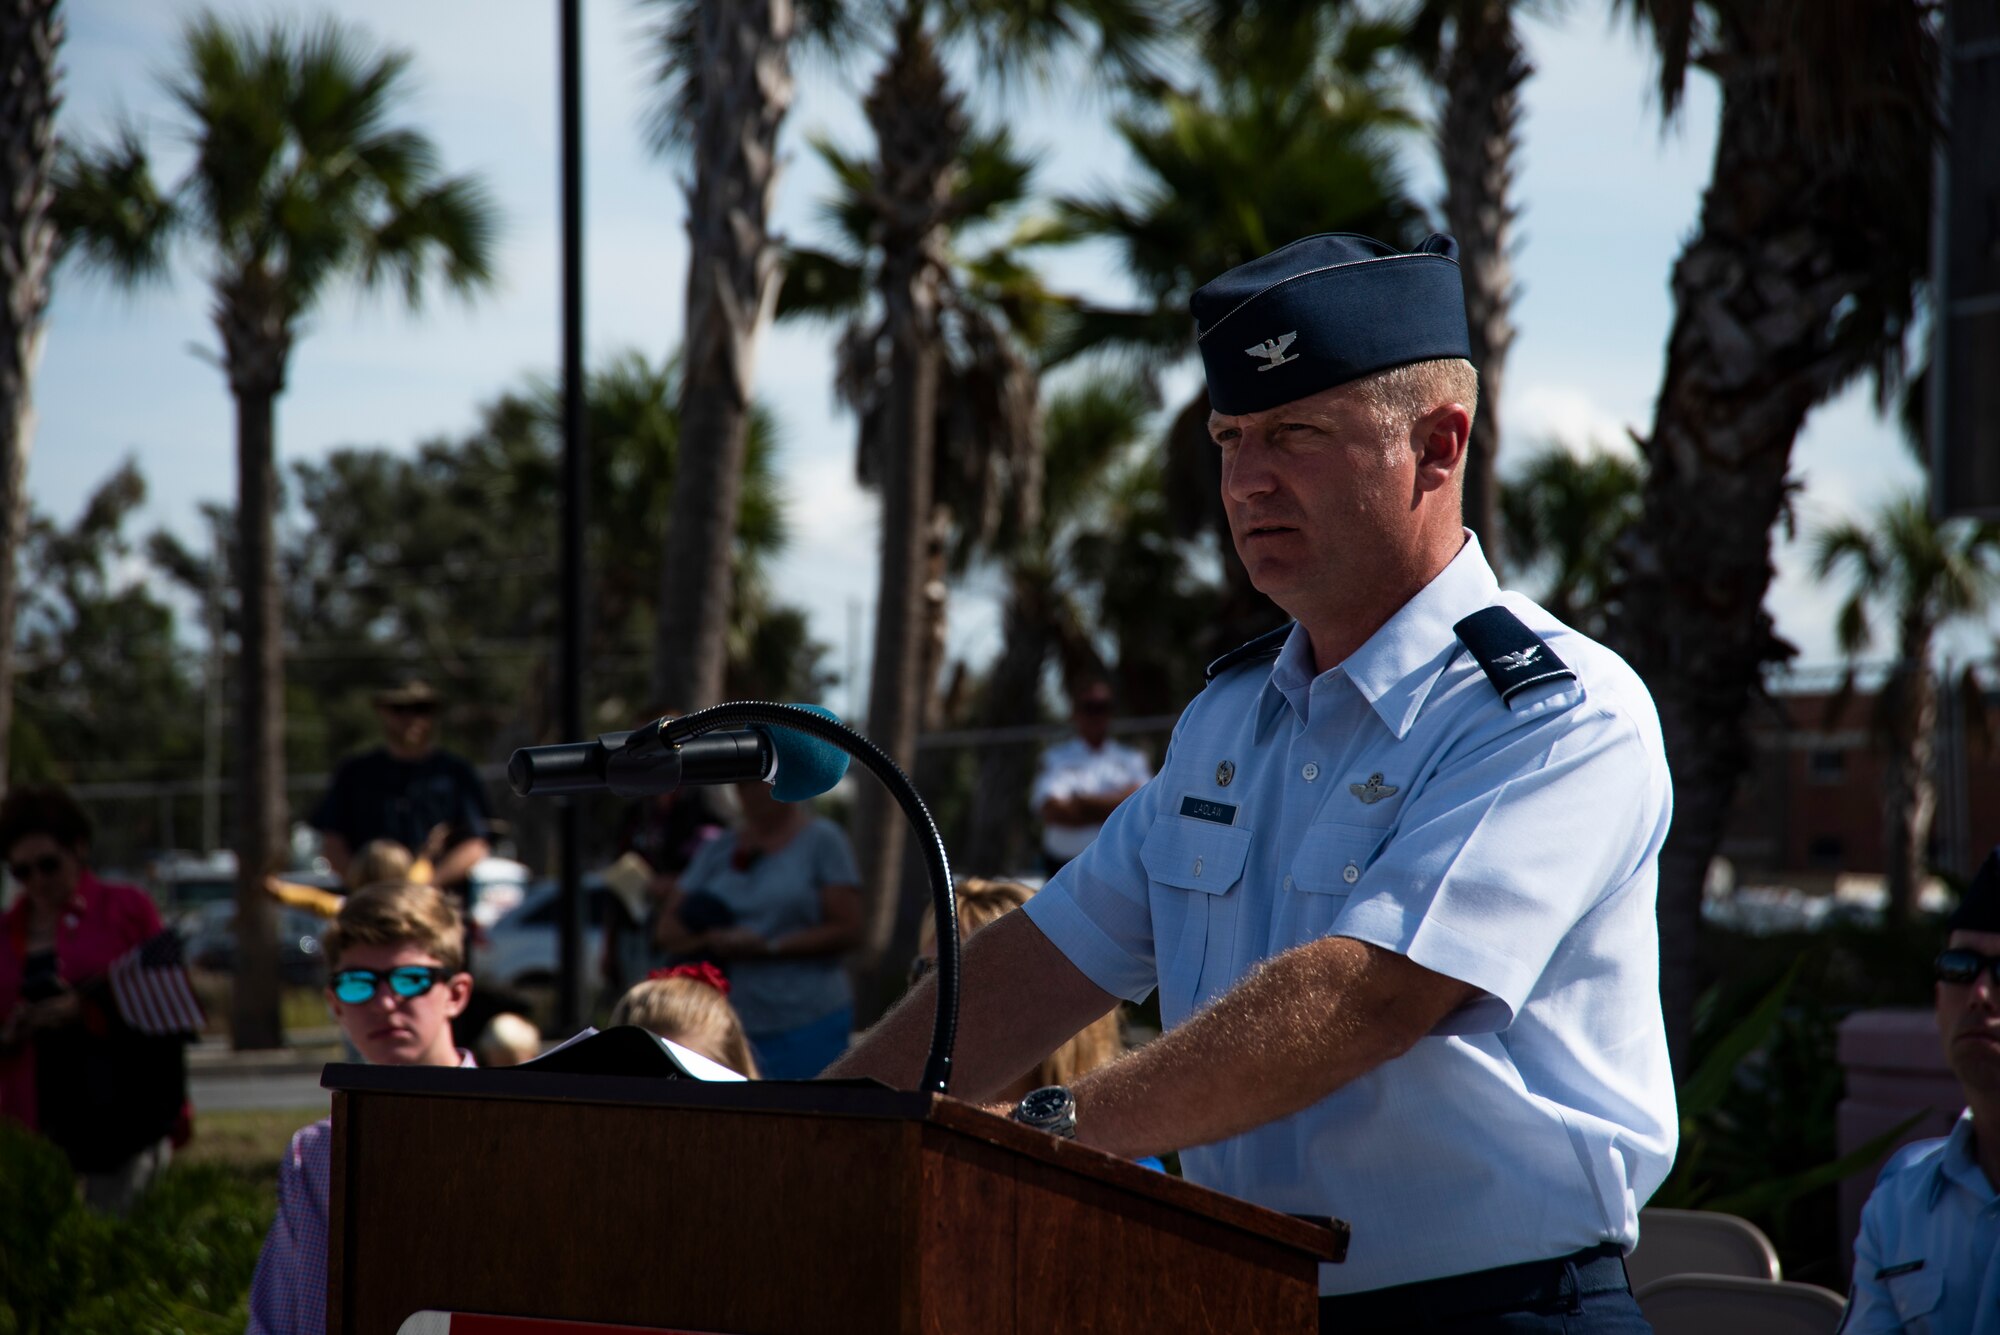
(396,978)
(1928,1257)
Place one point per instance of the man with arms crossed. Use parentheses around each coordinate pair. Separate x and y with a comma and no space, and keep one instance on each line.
(1395,880)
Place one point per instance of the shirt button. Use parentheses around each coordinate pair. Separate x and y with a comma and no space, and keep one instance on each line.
(1350,873)
(1288,883)
(1310,772)
(1197,866)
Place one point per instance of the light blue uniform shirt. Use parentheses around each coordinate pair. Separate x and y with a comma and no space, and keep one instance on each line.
(1511,848)
(1928,1258)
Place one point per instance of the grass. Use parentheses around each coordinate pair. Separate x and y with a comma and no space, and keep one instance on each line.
(250,1142)
(298,1007)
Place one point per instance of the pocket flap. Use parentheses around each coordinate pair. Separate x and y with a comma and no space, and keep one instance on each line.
(1916,1292)
(1195,854)
(1332,857)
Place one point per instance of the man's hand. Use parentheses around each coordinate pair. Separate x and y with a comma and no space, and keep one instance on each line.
(1300,1026)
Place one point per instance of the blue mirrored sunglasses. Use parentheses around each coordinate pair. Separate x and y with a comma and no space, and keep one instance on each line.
(355,986)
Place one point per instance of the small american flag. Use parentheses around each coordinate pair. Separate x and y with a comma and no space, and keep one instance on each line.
(150,984)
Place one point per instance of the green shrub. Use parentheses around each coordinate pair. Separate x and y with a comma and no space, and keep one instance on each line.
(179,1263)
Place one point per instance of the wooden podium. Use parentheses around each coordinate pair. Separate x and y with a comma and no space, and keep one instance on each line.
(775,1209)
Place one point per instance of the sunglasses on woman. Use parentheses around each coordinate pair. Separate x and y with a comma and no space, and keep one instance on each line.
(354,986)
(1963,967)
(48,864)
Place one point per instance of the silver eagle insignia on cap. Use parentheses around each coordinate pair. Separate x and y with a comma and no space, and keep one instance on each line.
(1274,348)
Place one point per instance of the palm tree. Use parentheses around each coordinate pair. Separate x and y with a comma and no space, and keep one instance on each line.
(1472,52)
(300,178)
(1800,275)
(725,89)
(1300,119)
(971,477)
(30,32)
(1563,517)
(1924,574)
(1086,433)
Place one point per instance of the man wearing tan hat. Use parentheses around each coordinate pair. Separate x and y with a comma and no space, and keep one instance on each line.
(408,790)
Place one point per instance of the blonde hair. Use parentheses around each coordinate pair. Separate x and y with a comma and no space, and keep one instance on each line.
(398,913)
(681,1008)
(379,861)
(980,902)
(1402,394)
(507,1040)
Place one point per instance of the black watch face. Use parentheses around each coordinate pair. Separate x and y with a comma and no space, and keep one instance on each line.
(1045,1104)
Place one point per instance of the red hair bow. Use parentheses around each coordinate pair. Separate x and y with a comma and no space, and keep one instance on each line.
(703,972)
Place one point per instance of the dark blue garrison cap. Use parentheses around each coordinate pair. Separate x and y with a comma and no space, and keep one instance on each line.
(1323,311)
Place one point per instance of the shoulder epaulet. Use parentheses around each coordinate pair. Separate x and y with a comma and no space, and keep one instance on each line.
(1264,646)
(1514,657)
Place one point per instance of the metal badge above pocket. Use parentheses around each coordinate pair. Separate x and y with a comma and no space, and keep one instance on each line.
(1195,854)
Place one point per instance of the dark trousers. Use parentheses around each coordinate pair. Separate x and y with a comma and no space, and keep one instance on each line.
(1583,1294)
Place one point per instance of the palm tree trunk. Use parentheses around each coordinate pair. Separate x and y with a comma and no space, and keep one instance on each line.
(732,288)
(29,36)
(1478,136)
(993,843)
(256,341)
(1909,788)
(918,125)
(1748,355)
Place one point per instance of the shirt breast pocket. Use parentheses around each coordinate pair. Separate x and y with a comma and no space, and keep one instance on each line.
(1917,1294)
(1330,861)
(1192,866)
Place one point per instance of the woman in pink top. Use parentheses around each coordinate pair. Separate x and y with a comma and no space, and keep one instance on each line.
(71,1065)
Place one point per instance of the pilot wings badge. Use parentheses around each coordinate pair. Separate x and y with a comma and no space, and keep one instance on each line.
(1373,791)
(1274,348)
(1519,659)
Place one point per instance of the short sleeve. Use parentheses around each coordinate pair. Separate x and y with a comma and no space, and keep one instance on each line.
(702,867)
(475,812)
(1097,909)
(1506,848)
(330,814)
(1870,1309)
(833,859)
(1048,777)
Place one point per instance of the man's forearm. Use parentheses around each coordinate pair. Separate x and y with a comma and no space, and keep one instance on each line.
(1300,1027)
(458,863)
(1020,999)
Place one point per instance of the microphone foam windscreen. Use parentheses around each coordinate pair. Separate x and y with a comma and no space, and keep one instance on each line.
(807,766)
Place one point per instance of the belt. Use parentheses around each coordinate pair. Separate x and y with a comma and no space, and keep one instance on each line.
(1531,1284)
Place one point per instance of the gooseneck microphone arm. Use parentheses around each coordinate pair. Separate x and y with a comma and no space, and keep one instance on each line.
(654,754)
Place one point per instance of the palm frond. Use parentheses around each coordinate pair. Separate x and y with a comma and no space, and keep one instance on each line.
(109,212)
(819,286)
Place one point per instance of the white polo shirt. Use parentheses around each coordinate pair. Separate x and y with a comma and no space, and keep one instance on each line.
(1397,800)
(1075,768)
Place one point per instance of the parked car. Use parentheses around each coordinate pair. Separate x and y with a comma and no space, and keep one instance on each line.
(183,882)
(209,936)
(519,951)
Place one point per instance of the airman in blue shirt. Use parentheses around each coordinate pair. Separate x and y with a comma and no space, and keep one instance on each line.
(1928,1257)
(1395,880)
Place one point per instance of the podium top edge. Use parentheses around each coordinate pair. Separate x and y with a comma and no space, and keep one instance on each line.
(826,1098)
(1324,1239)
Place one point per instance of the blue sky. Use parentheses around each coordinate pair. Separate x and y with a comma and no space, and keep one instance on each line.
(1608,197)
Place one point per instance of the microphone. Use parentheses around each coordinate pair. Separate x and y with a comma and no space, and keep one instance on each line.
(644,761)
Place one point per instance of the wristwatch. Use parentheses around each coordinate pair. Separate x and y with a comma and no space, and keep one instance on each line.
(1049,1109)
